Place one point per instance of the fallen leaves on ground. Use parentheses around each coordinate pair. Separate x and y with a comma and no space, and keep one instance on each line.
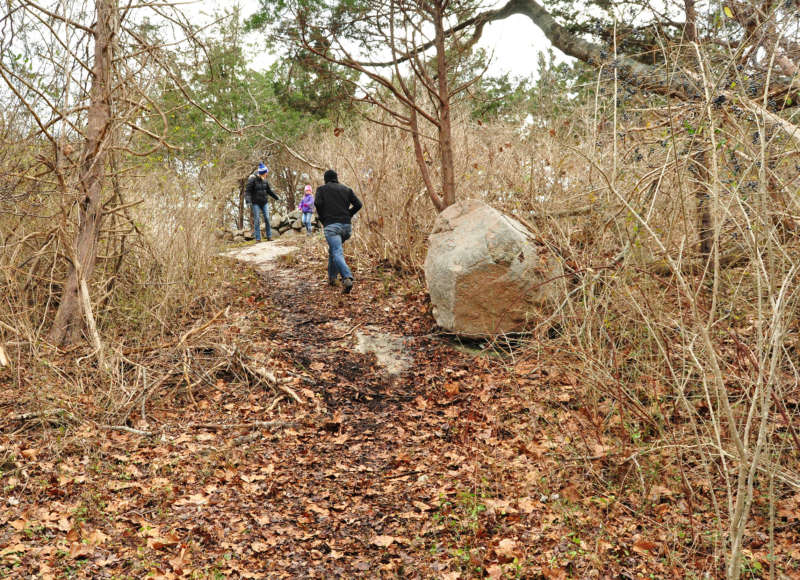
(465,465)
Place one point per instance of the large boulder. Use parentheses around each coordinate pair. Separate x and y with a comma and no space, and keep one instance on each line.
(486,273)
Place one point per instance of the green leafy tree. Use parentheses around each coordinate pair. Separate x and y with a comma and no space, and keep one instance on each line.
(400,60)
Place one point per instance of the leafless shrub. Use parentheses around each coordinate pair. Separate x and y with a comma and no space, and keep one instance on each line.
(676,226)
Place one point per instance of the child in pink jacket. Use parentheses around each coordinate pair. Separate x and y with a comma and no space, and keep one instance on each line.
(307,207)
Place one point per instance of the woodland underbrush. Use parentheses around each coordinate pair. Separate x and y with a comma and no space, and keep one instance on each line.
(155,279)
(676,328)
(677,234)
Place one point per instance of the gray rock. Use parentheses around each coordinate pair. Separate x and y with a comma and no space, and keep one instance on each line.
(486,273)
(295,215)
(275,220)
(297,225)
(228,236)
(238,238)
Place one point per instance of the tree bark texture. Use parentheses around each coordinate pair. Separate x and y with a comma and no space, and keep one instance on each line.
(445,122)
(705,224)
(68,323)
(240,215)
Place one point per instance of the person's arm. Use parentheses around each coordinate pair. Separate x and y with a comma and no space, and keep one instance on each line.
(248,191)
(272,193)
(355,204)
(319,204)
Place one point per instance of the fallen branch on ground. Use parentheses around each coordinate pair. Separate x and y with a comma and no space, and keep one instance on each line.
(128,430)
(23,417)
(248,425)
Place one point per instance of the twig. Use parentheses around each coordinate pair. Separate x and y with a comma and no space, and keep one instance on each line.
(86,301)
(249,425)
(303,378)
(10,328)
(291,393)
(192,331)
(272,380)
(38,414)
(275,402)
(151,389)
(128,430)
(403,474)
(182,339)
(341,336)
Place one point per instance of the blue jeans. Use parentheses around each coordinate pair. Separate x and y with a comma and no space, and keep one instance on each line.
(263,209)
(336,235)
(307,221)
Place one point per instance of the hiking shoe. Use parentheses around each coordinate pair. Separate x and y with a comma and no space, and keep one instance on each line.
(347,285)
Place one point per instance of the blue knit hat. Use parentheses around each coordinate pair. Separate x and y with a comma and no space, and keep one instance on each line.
(262,169)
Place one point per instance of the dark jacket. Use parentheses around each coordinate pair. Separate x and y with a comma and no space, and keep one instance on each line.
(257,190)
(336,203)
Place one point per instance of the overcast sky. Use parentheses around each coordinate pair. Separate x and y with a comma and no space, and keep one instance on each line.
(515,41)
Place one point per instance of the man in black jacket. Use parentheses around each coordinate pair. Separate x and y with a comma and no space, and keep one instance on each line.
(336,205)
(255,194)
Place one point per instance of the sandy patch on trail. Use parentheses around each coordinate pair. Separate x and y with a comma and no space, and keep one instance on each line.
(262,254)
(390,351)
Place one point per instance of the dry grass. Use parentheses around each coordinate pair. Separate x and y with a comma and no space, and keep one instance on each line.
(676,350)
(155,273)
(697,356)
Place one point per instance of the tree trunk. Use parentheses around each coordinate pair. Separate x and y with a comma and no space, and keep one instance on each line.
(437,199)
(69,323)
(240,217)
(445,123)
(705,225)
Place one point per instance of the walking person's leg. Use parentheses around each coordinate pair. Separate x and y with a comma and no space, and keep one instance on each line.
(266,220)
(336,263)
(256,222)
(347,281)
(334,235)
(334,246)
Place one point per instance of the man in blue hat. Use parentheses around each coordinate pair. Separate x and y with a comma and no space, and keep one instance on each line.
(255,194)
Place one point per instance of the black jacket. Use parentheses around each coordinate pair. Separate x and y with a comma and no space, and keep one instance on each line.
(257,190)
(336,203)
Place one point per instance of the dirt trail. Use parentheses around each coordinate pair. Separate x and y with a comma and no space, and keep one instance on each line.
(351,488)
(303,433)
